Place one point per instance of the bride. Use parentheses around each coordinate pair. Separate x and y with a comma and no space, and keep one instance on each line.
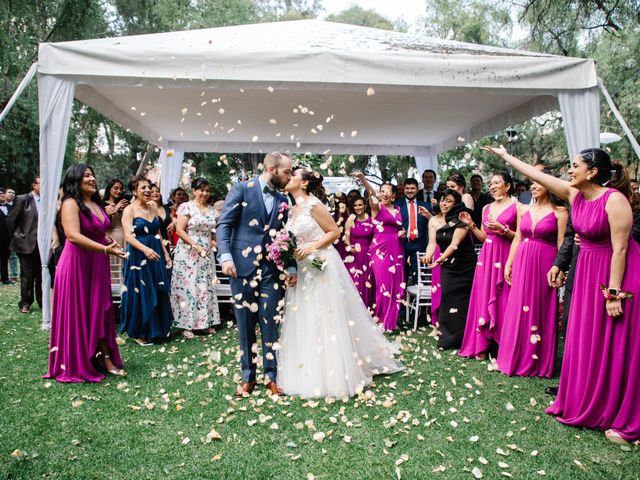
(330,345)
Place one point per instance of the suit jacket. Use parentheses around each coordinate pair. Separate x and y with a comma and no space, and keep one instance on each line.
(422,223)
(5,239)
(23,224)
(420,196)
(244,224)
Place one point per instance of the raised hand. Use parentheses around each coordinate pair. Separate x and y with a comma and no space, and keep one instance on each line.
(499,151)
(358,175)
(465,218)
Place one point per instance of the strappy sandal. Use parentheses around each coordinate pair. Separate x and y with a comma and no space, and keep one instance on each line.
(118,372)
(188,334)
(615,437)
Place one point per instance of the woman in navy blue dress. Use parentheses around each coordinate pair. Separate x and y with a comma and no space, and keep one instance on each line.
(145,310)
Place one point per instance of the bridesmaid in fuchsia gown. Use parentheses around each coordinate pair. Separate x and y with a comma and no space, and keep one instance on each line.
(83,332)
(528,340)
(599,385)
(490,291)
(387,255)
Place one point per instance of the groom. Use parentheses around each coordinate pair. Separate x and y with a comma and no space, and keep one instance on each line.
(251,210)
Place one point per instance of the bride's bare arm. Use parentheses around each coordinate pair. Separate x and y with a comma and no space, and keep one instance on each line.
(331,231)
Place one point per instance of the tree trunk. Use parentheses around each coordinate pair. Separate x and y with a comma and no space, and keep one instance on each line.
(145,159)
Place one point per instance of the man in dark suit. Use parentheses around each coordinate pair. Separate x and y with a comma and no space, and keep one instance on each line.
(5,240)
(251,209)
(23,230)
(416,226)
(427,193)
(564,267)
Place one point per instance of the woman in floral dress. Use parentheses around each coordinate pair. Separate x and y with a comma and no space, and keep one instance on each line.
(193,283)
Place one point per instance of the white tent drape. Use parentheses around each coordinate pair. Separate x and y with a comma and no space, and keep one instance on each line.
(170,169)
(55,97)
(427,163)
(581,116)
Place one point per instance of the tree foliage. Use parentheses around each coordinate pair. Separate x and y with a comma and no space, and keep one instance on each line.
(356,15)
(606,30)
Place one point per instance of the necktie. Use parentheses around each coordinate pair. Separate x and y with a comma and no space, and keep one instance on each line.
(428,199)
(413,228)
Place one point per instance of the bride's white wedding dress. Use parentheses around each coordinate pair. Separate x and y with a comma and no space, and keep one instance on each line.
(329,344)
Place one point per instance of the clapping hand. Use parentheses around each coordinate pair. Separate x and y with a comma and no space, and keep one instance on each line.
(122,204)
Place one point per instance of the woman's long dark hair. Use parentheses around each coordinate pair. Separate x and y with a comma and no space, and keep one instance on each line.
(315,186)
(610,173)
(107,191)
(71,187)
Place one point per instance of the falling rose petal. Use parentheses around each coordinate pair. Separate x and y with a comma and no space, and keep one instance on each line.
(476,472)
(371,92)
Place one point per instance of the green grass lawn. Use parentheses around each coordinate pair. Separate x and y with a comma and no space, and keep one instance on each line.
(174,417)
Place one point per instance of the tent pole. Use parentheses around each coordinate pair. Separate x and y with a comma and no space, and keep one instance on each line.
(23,84)
(623,124)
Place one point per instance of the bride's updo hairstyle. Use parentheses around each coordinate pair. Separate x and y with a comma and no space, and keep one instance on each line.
(611,174)
(314,186)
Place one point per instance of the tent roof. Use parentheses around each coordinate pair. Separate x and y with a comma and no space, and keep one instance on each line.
(302,86)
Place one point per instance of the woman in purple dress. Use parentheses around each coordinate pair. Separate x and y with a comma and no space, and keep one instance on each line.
(490,291)
(387,255)
(357,237)
(83,331)
(528,340)
(599,385)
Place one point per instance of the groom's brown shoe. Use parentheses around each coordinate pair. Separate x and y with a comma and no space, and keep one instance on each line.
(274,389)
(245,389)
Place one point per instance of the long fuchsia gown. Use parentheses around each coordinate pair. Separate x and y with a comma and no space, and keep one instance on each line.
(528,341)
(436,289)
(82,312)
(387,265)
(490,291)
(599,382)
(359,269)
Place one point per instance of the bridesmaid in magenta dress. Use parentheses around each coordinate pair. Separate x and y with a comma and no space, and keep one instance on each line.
(528,341)
(83,331)
(490,291)
(599,385)
(436,289)
(387,256)
(358,236)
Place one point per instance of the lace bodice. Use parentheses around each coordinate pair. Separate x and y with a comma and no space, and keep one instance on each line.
(302,224)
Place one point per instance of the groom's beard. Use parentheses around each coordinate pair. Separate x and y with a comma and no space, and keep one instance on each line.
(279,184)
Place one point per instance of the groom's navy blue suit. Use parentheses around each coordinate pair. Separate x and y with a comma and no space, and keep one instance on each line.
(243,226)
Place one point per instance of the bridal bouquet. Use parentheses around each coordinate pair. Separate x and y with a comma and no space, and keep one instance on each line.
(281,250)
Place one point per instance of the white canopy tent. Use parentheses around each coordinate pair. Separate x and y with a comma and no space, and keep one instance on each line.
(307,86)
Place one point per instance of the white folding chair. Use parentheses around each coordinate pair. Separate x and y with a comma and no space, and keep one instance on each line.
(419,295)
(223,287)
(116,264)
